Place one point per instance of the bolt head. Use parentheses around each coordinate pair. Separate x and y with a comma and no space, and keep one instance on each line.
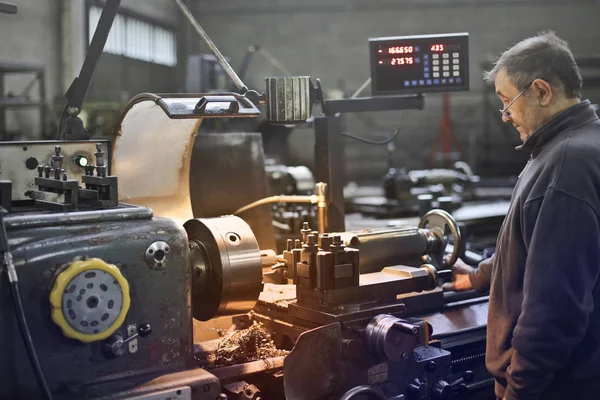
(430,367)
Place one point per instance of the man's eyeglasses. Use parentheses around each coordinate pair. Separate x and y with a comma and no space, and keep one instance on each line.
(504,112)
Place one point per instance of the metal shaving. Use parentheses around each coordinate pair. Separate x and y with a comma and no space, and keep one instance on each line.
(246,345)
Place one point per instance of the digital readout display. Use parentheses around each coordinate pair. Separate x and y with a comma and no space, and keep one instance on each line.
(419,64)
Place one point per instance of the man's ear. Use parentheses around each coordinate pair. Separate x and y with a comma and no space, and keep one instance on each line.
(543,92)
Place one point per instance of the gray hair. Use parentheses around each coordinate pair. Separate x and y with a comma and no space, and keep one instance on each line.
(546,57)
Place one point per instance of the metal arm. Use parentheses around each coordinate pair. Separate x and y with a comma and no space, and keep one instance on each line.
(236,80)
(78,90)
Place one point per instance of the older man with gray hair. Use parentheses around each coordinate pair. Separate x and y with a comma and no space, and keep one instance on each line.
(543,339)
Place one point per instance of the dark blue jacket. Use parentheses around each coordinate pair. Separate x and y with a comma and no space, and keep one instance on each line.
(543,338)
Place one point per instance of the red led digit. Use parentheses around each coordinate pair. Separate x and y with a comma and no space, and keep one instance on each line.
(401,50)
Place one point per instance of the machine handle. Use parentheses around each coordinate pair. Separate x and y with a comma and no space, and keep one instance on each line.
(460,385)
(407,328)
(234,106)
(116,345)
(144,330)
(438,222)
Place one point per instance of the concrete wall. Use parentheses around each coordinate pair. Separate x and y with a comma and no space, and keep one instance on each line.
(162,10)
(328,39)
(118,78)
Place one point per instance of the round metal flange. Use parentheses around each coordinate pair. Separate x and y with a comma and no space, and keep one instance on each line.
(432,274)
(440,224)
(227,266)
(158,255)
(386,341)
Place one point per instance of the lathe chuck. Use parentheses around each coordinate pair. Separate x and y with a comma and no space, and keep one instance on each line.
(227,268)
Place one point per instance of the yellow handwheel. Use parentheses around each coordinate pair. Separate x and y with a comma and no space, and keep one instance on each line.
(89,300)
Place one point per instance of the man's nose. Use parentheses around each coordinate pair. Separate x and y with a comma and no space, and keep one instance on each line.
(506,118)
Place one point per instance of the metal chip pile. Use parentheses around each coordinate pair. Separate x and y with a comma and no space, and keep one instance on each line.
(246,345)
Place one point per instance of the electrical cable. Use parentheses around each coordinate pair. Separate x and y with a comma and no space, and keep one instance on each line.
(20,313)
(364,389)
(382,143)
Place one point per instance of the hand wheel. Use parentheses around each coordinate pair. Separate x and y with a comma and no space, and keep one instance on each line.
(441,224)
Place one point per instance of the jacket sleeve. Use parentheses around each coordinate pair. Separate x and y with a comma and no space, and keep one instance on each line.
(561,271)
(482,276)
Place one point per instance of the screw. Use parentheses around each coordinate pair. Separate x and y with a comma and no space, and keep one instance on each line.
(47,170)
(64,177)
(430,367)
(325,241)
(99,155)
(40,170)
(405,356)
(297,244)
(288,245)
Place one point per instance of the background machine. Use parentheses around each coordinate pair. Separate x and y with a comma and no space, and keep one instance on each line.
(109,270)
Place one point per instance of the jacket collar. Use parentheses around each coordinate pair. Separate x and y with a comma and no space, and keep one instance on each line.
(565,120)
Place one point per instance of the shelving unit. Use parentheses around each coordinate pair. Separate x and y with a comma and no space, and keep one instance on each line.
(23,100)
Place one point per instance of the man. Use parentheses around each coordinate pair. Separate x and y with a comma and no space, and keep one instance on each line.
(543,335)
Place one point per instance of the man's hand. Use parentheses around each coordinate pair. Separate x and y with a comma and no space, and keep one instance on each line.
(460,277)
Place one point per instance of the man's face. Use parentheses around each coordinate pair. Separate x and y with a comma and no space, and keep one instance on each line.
(525,113)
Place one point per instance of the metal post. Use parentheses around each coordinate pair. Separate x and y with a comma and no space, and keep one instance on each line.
(3,134)
(329,168)
(42,85)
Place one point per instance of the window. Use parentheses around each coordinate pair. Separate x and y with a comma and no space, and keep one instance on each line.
(134,38)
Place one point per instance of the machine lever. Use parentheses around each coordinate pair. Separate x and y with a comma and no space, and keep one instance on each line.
(116,345)
(407,328)
(459,385)
(143,331)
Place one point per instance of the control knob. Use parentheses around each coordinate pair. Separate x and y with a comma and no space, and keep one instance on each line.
(416,390)
(442,391)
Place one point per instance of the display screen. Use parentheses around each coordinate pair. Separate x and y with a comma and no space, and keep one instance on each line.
(433,63)
(399,50)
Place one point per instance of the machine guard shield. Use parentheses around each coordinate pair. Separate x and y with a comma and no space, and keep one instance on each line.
(153,144)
